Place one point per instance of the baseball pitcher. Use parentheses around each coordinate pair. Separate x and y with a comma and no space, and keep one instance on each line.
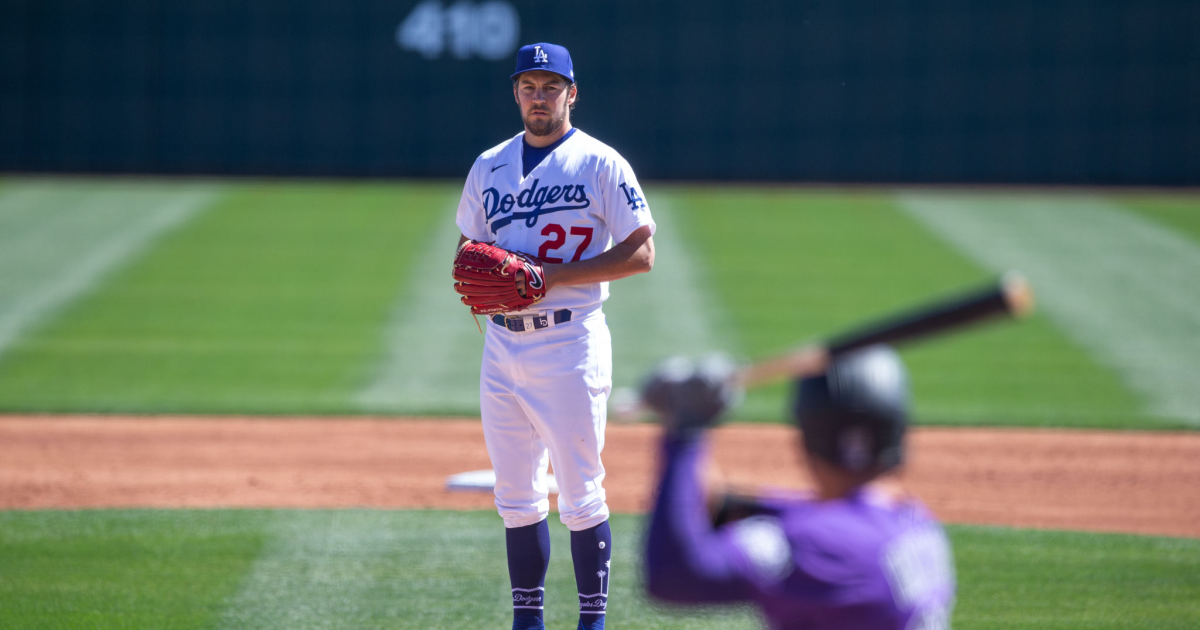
(548,219)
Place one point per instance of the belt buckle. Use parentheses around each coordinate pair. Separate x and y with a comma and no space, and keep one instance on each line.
(537,321)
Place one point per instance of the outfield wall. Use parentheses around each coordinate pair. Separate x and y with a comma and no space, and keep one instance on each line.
(1073,91)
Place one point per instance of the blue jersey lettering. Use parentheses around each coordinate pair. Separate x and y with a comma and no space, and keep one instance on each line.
(540,198)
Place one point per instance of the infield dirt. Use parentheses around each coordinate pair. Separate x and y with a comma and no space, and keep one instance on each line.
(1132,482)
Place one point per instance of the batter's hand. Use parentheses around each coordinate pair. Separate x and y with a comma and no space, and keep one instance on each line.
(495,280)
(691,395)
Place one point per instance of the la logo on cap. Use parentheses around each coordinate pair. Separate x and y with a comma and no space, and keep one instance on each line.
(537,57)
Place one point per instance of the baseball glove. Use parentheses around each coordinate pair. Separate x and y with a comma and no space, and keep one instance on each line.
(495,280)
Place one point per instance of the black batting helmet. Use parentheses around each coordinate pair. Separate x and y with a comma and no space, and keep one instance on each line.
(855,414)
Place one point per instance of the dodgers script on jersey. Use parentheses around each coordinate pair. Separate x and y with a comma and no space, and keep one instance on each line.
(578,201)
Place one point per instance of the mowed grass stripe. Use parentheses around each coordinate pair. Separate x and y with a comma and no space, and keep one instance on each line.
(59,239)
(669,311)
(411,570)
(1179,212)
(1019,578)
(273,301)
(1123,287)
(92,570)
(23,203)
(364,569)
(433,347)
(793,265)
(419,570)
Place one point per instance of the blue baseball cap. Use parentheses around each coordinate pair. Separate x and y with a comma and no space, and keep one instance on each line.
(548,57)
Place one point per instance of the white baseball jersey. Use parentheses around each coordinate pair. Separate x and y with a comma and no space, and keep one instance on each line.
(572,206)
(543,393)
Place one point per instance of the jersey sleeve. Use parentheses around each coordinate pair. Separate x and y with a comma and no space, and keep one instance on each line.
(625,208)
(471,218)
(689,561)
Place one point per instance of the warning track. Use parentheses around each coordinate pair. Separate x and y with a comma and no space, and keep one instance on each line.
(1061,479)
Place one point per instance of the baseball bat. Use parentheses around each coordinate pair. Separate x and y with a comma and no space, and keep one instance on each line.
(1011,296)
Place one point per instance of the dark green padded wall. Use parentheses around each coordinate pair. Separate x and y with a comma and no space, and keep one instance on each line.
(1023,91)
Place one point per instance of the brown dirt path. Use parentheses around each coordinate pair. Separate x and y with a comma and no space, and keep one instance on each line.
(1088,480)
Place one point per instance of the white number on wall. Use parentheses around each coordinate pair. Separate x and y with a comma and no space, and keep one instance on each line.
(488,30)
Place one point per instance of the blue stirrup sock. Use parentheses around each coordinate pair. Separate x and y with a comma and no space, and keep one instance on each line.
(528,559)
(591,551)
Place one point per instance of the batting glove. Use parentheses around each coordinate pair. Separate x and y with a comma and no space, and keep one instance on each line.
(691,395)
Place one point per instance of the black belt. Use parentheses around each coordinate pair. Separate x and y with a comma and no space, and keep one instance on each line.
(517,324)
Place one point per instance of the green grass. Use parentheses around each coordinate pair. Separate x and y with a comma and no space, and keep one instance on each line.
(1058,580)
(277,301)
(1178,212)
(116,569)
(431,569)
(793,266)
(271,302)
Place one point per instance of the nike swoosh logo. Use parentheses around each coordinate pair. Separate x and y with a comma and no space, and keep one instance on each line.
(501,166)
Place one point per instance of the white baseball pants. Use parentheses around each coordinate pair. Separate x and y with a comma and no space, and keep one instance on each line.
(544,398)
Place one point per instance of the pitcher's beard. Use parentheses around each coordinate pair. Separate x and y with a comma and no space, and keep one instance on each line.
(545,126)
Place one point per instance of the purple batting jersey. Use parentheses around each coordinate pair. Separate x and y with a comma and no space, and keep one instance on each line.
(864,561)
